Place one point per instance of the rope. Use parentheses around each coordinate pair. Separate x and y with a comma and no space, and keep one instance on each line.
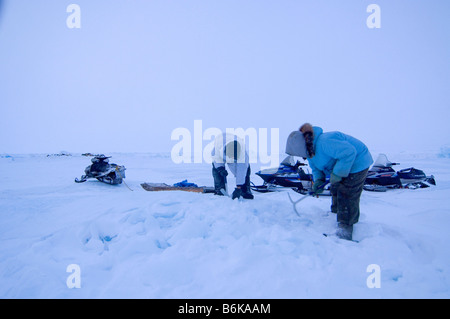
(123,180)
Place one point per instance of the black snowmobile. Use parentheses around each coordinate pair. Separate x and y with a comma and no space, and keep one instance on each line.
(382,176)
(103,171)
(289,175)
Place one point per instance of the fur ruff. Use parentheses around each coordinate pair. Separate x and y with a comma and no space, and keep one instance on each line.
(308,134)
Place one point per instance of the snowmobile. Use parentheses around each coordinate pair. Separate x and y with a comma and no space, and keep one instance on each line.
(103,171)
(382,177)
(289,175)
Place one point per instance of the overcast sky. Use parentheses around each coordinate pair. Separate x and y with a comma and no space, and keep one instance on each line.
(137,70)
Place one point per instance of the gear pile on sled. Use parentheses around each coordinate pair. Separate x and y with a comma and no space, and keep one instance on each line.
(103,171)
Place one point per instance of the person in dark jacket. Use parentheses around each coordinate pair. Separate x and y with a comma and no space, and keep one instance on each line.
(342,158)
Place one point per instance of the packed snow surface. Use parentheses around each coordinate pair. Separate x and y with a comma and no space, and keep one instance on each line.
(130,243)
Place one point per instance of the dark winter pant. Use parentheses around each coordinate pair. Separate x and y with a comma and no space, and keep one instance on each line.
(220,181)
(345,197)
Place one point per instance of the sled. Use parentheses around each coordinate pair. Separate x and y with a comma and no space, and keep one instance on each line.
(157,187)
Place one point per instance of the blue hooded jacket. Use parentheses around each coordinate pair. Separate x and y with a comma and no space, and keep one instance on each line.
(338,153)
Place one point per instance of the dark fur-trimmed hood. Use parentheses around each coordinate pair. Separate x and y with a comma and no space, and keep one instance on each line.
(308,133)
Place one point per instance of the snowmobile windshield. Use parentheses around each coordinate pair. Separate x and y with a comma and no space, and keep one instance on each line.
(382,161)
(100,158)
(288,161)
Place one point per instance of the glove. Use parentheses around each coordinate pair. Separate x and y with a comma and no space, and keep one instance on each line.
(222,171)
(318,187)
(237,193)
(335,179)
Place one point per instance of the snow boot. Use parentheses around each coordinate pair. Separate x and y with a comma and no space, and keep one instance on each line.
(345,231)
(246,190)
(220,180)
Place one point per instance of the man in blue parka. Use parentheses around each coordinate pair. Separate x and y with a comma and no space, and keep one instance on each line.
(345,159)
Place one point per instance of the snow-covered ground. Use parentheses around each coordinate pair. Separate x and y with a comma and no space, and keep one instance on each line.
(138,244)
